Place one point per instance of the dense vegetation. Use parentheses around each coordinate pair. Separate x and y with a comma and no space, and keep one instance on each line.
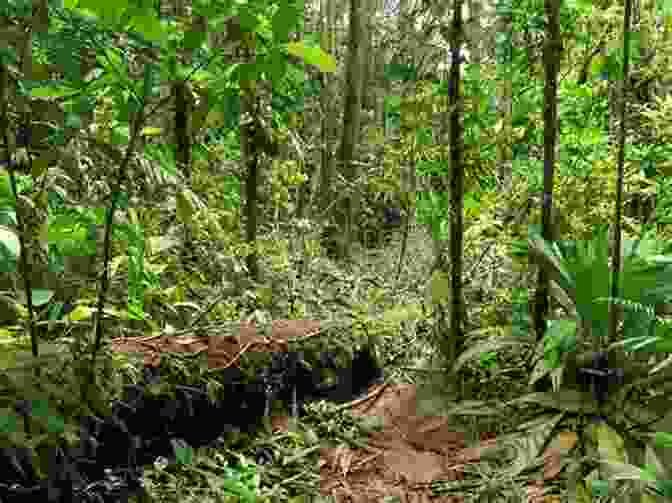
(175,174)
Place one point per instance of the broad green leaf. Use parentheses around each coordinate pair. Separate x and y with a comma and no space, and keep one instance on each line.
(9,249)
(313,56)
(52,92)
(150,27)
(283,22)
(494,343)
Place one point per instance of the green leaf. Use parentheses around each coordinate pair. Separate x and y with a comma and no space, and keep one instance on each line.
(41,296)
(313,56)
(599,488)
(54,423)
(663,439)
(52,92)
(489,346)
(247,19)
(73,120)
(9,250)
(148,79)
(109,13)
(150,27)
(248,72)
(283,22)
(664,488)
(193,39)
(276,65)
(8,421)
(184,454)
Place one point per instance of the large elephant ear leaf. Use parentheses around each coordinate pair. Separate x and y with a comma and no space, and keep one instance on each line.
(548,256)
